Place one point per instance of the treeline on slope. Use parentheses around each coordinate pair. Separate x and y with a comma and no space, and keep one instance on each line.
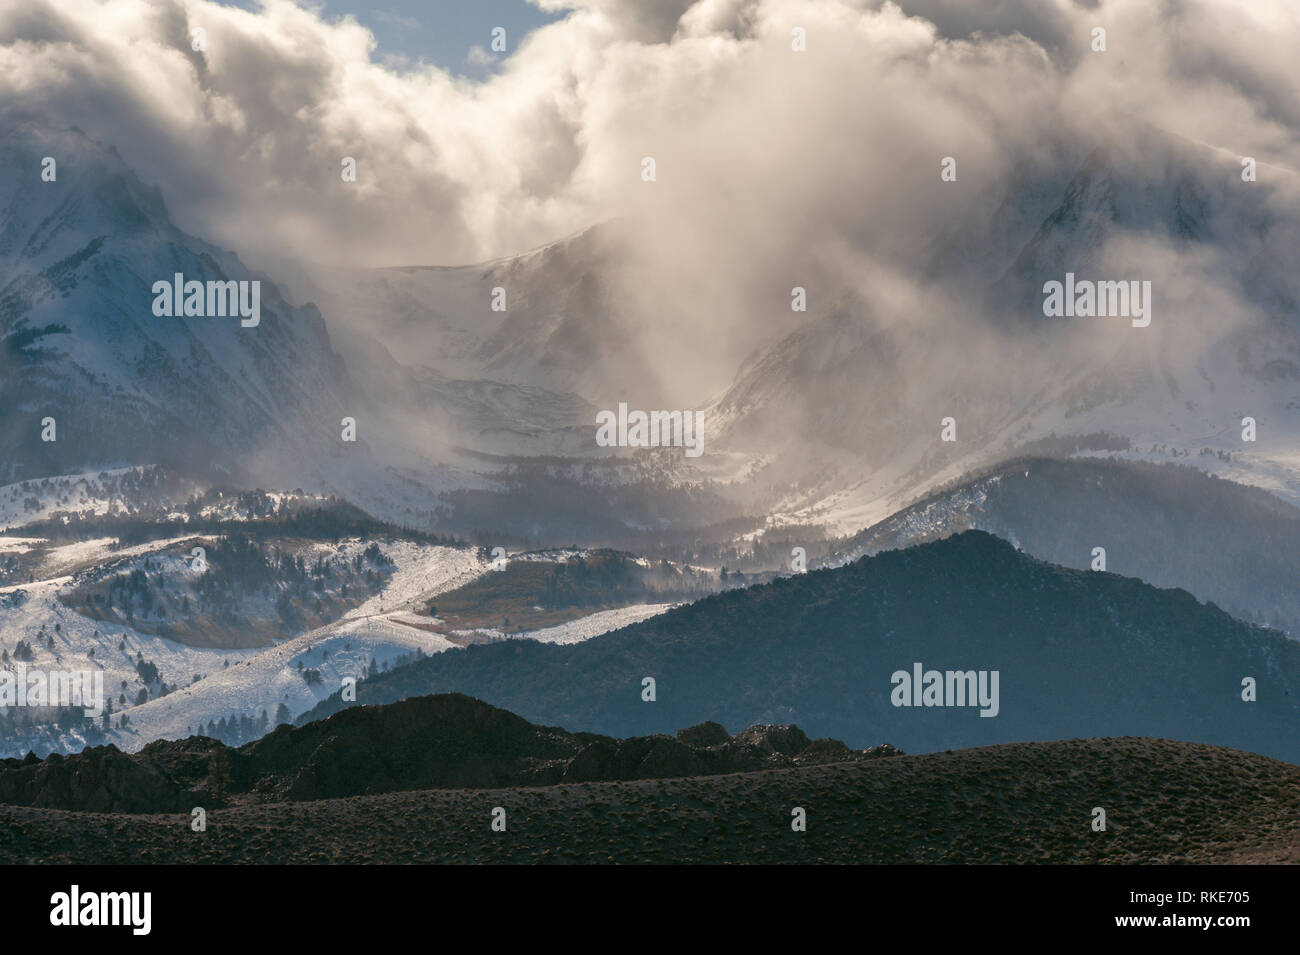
(64,729)
(134,490)
(50,729)
(226,603)
(263,515)
(15,568)
(240,728)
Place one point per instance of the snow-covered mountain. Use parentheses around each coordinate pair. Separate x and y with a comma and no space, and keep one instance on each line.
(483,421)
(258,405)
(838,421)
(79,256)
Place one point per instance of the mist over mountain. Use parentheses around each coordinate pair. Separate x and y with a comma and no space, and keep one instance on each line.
(675,290)
(436,379)
(873,374)
(461,381)
(206,395)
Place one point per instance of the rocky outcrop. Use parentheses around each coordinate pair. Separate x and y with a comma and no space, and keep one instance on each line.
(100,780)
(448,741)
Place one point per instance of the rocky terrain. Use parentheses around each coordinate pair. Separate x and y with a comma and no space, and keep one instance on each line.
(433,742)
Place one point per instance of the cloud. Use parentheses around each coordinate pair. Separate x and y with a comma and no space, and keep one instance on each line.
(775,167)
(397,20)
(479,56)
(246,137)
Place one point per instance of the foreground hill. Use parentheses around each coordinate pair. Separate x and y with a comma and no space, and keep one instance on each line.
(1079,654)
(1022,803)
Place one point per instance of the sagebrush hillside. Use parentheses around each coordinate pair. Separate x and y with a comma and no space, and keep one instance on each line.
(1022,803)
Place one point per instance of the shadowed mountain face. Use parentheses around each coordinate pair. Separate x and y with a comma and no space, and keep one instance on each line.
(1077,653)
(435,742)
(1170,525)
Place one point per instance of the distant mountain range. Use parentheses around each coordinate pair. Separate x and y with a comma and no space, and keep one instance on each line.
(833,421)
(481,422)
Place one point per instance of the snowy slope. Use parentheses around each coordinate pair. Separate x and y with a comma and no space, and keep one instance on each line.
(250,678)
(1170,525)
(81,644)
(383,630)
(93,492)
(593,625)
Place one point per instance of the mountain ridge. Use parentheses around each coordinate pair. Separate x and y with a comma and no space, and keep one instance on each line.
(1077,651)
